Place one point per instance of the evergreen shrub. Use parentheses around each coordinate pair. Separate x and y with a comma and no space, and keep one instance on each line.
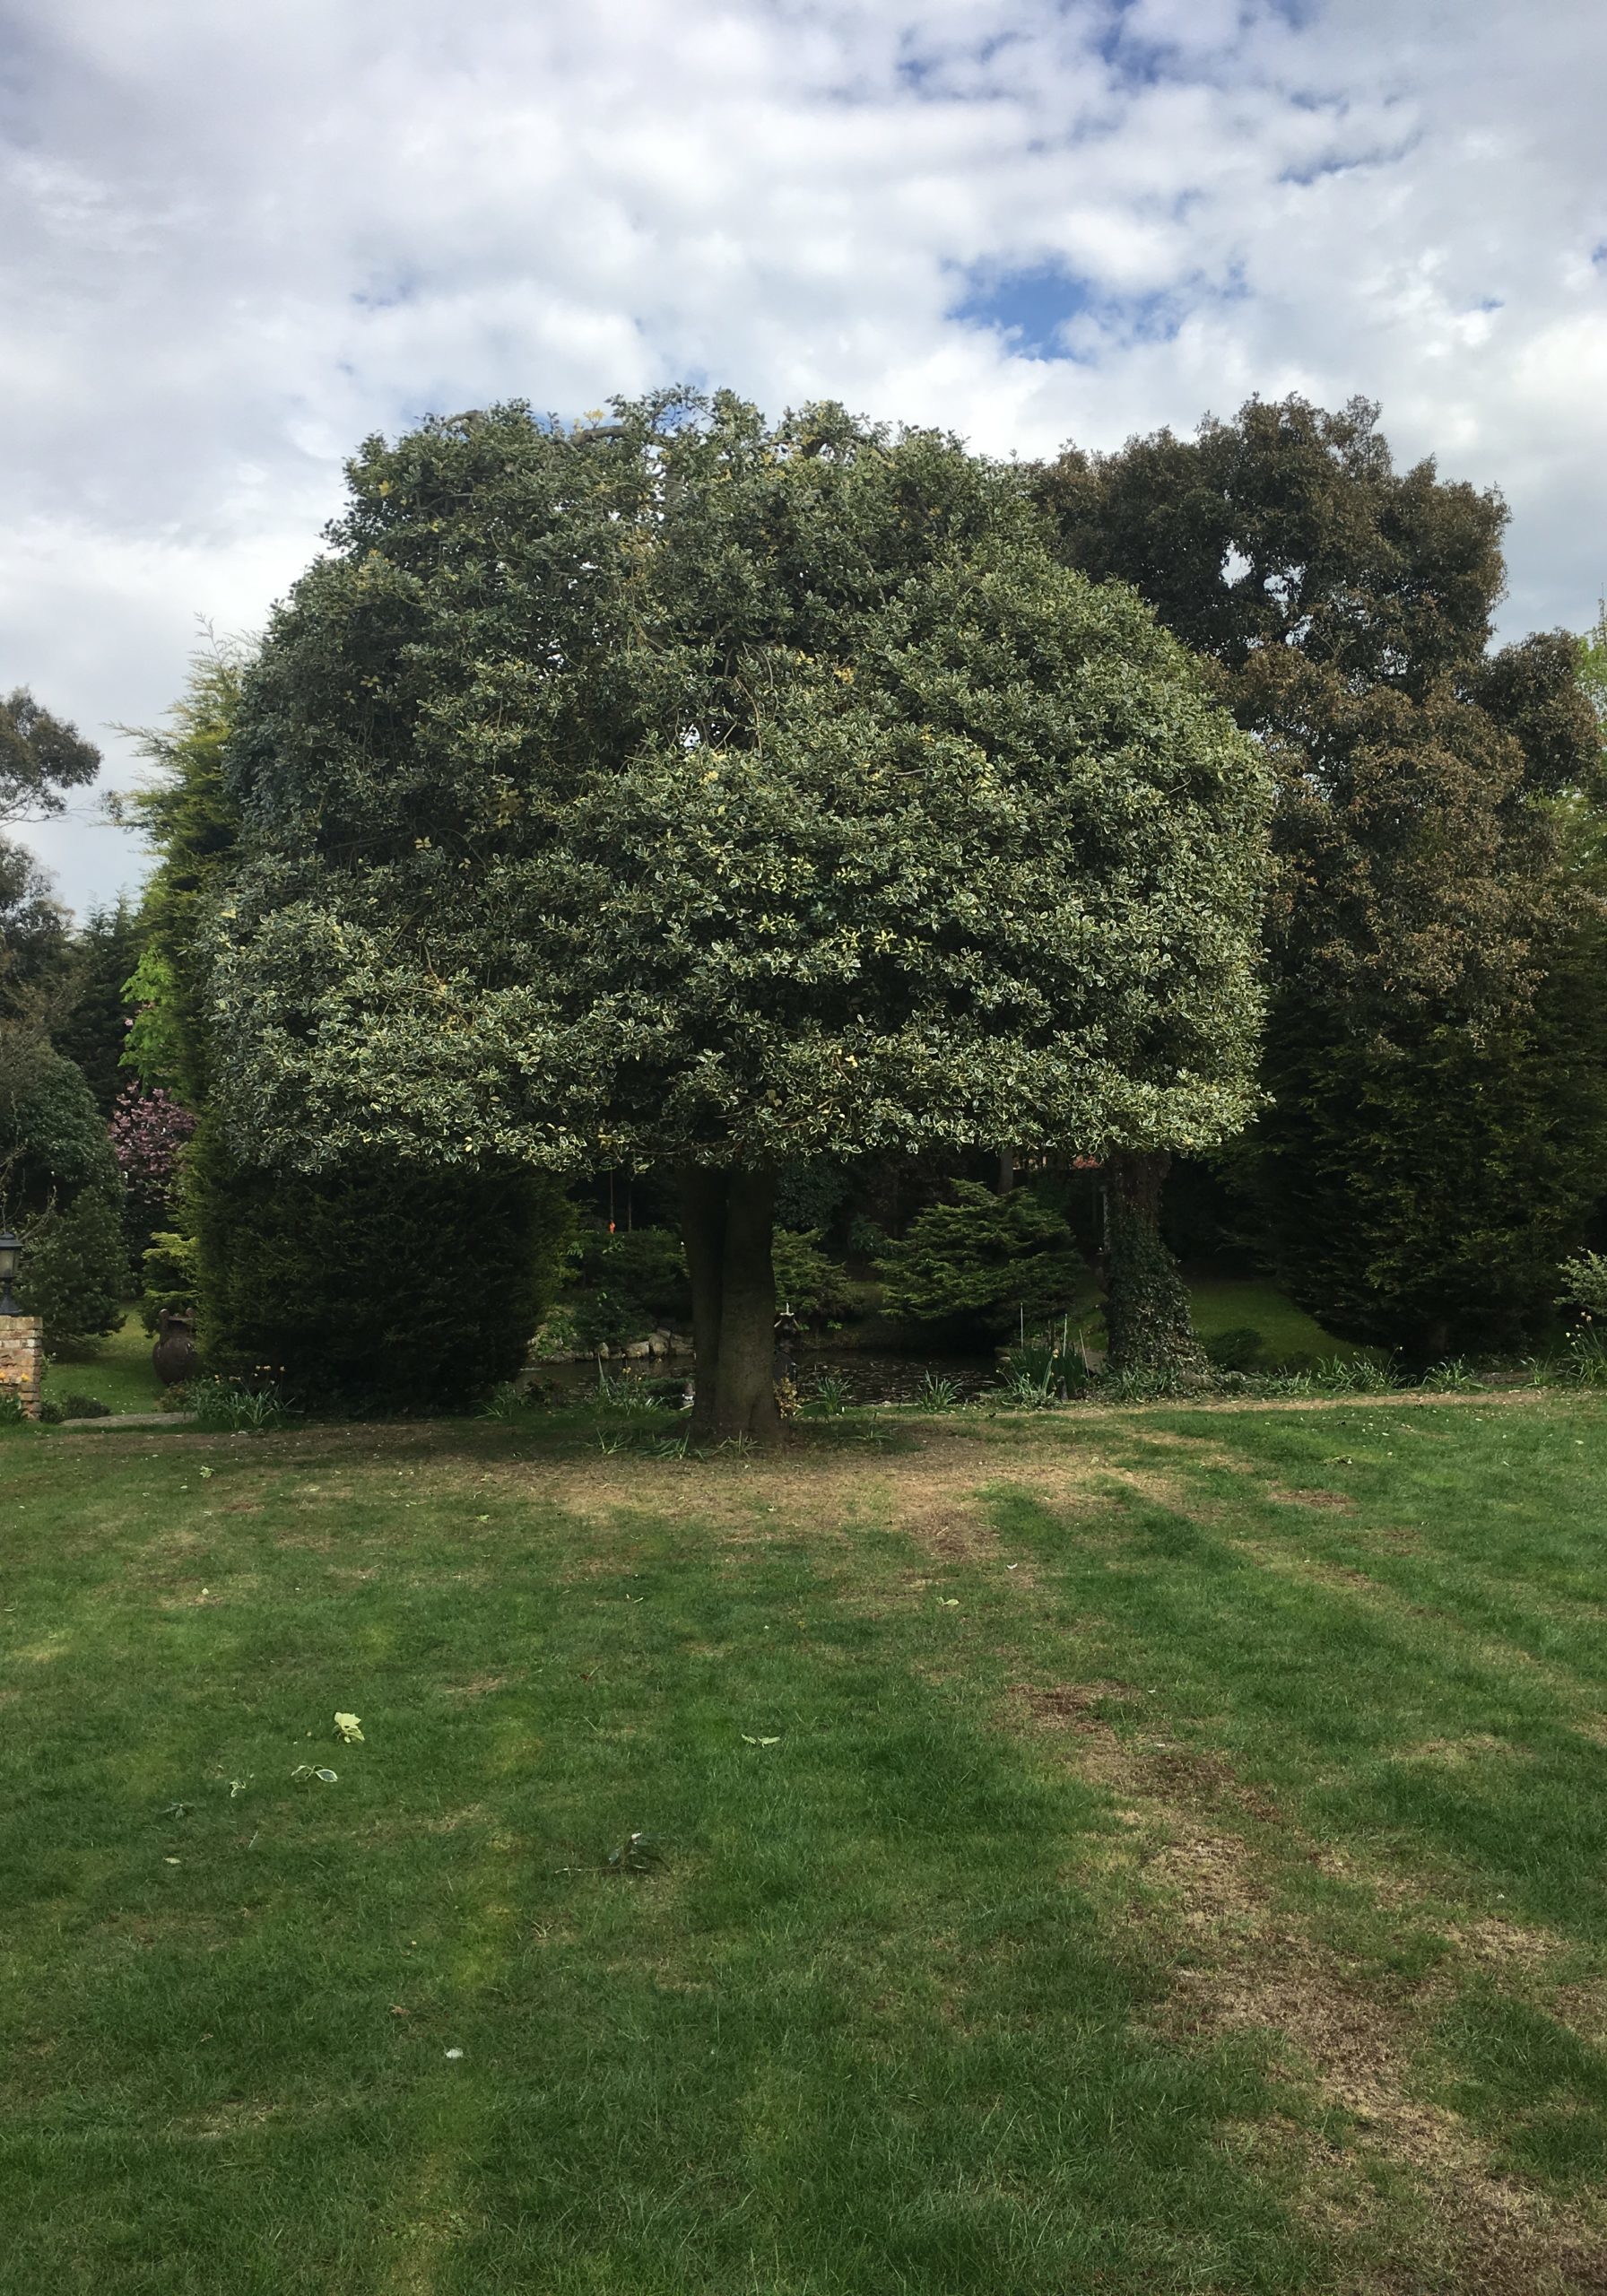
(170,1269)
(383,1287)
(75,1271)
(1241,1349)
(625,1285)
(979,1265)
(808,1280)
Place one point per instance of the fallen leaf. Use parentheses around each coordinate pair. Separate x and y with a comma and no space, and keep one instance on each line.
(207,1474)
(350,1729)
(747,1741)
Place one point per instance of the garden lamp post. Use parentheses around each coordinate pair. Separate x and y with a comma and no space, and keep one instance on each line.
(10,1254)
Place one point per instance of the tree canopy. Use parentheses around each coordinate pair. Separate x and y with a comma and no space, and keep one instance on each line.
(40,755)
(1423,916)
(697,790)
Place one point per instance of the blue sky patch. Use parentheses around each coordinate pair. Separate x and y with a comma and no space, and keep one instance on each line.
(1030,306)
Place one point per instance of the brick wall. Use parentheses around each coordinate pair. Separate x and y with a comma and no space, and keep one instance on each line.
(22,1358)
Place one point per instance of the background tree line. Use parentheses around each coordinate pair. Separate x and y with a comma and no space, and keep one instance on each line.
(1429,1109)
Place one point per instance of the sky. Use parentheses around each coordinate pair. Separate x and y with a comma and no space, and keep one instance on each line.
(235,241)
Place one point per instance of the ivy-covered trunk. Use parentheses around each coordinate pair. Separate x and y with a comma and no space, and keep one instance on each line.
(727,1220)
(1146,1307)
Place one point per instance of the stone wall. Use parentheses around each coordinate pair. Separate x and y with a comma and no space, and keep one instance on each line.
(22,1358)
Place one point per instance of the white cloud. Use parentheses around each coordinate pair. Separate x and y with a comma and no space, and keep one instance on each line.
(236,239)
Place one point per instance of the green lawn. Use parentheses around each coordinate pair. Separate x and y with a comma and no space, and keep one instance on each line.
(1150,1852)
(118,1374)
(1220,1304)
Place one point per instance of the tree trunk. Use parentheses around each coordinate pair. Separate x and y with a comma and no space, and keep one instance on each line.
(703,1232)
(1146,1307)
(727,1221)
(745,1396)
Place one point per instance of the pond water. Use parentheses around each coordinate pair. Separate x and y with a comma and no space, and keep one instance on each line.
(872,1378)
(867,1375)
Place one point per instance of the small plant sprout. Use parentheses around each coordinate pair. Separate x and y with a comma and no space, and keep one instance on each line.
(638,1853)
(830,1397)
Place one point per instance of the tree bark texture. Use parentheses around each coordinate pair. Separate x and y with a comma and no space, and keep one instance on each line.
(703,1232)
(727,1221)
(1146,1307)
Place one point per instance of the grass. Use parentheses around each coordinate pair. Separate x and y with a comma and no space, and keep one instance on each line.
(1162,1851)
(119,1373)
(1220,1304)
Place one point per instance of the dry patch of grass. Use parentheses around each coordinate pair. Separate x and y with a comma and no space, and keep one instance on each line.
(1339,1501)
(1347,2045)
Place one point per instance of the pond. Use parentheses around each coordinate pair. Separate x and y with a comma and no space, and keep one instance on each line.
(867,1375)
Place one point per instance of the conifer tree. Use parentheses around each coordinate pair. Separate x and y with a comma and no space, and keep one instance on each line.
(1433,1142)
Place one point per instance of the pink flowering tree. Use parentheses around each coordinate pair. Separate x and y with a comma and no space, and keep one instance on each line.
(148,1134)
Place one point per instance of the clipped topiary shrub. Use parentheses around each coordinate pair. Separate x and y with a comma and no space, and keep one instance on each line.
(384,1288)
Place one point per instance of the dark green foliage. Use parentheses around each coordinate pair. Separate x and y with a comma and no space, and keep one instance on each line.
(627,1284)
(808,1281)
(810,1195)
(1533,691)
(168,1264)
(35,959)
(1147,1325)
(105,951)
(1427,1182)
(1240,1348)
(40,757)
(74,1269)
(378,1287)
(977,1264)
(1434,1139)
(59,1188)
(193,825)
(52,1139)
